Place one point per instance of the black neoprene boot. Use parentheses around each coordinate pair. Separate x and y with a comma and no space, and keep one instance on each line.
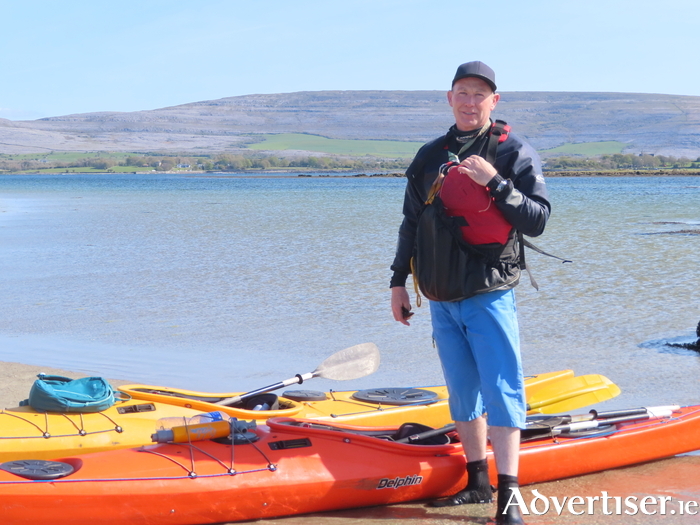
(510,515)
(478,489)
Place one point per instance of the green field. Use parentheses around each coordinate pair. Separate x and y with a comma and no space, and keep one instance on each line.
(304,142)
(390,148)
(587,149)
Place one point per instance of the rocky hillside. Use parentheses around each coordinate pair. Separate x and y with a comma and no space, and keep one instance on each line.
(659,124)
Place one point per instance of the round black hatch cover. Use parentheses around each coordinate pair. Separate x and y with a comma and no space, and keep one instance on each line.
(395,396)
(304,395)
(38,468)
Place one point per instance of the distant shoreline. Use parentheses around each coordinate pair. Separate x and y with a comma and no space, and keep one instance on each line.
(625,173)
(348,174)
(591,173)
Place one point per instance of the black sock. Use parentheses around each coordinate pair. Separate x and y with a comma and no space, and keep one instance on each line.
(478,476)
(506,484)
(506,480)
(478,489)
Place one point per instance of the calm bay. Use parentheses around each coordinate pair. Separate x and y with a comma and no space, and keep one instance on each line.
(231,282)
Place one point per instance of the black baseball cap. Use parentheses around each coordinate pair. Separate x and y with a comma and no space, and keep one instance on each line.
(478,70)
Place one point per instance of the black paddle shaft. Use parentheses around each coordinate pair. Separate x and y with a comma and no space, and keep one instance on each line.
(618,413)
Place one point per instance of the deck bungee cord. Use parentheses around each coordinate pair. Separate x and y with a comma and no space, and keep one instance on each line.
(46,433)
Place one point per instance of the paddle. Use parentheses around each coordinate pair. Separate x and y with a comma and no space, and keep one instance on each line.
(350,363)
(595,420)
(572,393)
(540,428)
(594,414)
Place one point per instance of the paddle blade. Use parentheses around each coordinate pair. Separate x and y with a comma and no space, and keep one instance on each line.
(572,394)
(351,363)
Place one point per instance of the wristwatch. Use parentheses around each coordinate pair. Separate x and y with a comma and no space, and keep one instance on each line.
(497,183)
(502,185)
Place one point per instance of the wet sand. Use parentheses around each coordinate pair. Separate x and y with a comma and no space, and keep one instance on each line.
(677,479)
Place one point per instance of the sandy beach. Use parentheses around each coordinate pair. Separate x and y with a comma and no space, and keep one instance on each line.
(677,479)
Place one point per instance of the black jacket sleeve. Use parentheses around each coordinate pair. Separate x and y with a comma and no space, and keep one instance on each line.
(524,202)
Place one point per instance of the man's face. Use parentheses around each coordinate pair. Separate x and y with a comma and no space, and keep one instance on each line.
(472,102)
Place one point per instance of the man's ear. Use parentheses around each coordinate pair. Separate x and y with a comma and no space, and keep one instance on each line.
(449,97)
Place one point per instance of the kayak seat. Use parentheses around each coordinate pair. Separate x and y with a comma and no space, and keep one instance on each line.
(411,429)
(263,402)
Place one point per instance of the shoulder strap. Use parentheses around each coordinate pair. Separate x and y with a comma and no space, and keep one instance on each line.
(523,266)
(499,133)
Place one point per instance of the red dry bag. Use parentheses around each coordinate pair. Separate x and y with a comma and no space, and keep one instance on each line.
(472,206)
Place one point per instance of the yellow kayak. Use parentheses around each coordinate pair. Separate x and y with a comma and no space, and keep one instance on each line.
(374,407)
(25,432)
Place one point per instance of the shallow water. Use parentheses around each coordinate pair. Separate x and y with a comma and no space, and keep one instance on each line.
(232,283)
(235,282)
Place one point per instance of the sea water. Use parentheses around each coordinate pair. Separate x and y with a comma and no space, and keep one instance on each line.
(233,282)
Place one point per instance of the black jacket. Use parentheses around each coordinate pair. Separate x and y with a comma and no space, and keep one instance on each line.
(523,202)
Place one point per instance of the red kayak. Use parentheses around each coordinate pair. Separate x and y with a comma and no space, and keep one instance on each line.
(295,466)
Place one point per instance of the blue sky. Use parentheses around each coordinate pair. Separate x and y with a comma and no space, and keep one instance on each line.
(82,56)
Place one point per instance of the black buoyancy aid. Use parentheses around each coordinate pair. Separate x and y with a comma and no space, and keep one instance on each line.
(445,266)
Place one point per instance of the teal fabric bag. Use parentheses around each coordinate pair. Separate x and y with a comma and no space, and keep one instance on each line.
(62,394)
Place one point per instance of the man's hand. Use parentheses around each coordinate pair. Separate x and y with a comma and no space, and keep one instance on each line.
(478,169)
(399,302)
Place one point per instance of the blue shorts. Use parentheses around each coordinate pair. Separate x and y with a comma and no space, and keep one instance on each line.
(479,347)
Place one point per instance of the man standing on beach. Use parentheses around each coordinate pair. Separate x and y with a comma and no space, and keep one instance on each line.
(477,335)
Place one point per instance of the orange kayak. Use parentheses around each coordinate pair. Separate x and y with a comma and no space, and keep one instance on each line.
(298,466)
